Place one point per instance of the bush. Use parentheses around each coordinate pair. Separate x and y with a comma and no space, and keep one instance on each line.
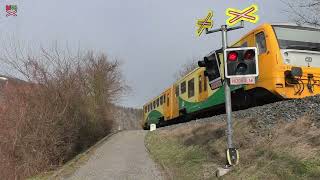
(61,109)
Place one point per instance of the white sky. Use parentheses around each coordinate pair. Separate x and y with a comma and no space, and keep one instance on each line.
(153,38)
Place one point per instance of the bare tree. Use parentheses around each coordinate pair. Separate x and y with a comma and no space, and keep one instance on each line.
(304,12)
(186,68)
(63,106)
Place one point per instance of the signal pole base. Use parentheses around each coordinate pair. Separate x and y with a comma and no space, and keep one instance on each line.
(232,156)
(223,171)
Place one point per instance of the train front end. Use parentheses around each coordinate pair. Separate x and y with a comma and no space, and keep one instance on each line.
(299,56)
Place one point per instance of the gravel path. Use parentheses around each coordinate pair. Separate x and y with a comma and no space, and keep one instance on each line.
(122,157)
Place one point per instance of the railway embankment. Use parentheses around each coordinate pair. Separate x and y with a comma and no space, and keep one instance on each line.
(275,141)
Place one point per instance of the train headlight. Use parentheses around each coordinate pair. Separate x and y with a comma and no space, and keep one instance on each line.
(296,71)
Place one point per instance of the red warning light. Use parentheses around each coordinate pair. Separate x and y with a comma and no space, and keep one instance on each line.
(232,56)
(249,55)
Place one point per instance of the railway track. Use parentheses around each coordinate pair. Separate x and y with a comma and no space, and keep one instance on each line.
(269,114)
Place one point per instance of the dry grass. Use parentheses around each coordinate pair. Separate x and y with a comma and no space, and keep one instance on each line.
(288,151)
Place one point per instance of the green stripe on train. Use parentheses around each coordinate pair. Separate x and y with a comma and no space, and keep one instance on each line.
(215,99)
(153,117)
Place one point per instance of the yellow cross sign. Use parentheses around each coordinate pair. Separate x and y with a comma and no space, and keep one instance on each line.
(205,23)
(238,15)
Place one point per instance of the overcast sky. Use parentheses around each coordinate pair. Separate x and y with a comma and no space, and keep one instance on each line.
(153,38)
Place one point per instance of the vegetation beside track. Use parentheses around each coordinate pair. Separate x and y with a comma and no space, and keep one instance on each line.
(275,150)
(64,104)
(179,161)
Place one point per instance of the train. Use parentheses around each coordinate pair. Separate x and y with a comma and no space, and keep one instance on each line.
(289,68)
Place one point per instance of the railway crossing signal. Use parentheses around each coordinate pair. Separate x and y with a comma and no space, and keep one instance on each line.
(212,70)
(241,65)
(246,15)
(232,153)
(205,23)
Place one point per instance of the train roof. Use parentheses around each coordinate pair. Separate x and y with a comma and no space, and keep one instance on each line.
(294,24)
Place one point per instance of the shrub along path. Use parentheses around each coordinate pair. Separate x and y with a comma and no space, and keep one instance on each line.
(122,156)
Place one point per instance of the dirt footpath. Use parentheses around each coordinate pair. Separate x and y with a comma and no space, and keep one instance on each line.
(122,157)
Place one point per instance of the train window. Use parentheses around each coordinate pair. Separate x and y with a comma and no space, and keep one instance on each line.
(205,84)
(168,102)
(200,83)
(154,104)
(191,88)
(261,43)
(161,100)
(183,87)
(158,102)
(177,90)
(164,98)
(149,107)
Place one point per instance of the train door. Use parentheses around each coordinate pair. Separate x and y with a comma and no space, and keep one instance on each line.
(175,100)
(168,106)
(202,86)
(264,55)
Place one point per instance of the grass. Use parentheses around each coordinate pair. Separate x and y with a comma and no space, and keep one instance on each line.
(182,161)
(285,152)
(70,167)
(66,170)
(43,176)
(278,165)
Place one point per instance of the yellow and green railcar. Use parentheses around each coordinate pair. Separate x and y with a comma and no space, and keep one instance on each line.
(283,50)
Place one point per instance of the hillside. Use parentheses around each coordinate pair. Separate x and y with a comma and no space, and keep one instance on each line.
(276,141)
(126,118)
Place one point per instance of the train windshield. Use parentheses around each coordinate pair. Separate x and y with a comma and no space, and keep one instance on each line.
(294,37)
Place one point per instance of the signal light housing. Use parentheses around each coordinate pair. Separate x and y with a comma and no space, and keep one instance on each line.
(241,62)
(212,69)
(201,64)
